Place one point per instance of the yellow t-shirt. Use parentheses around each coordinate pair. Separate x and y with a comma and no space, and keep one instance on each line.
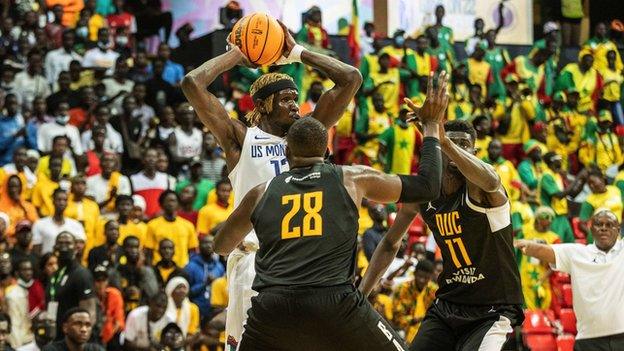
(520,113)
(479,73)
(611,199)
(385,302)
(210,216)
(613,80)
(131,228)
(43,167)
(481,145)
(219,293)
(42,195)
(409,304)
(180,231)
(389,91)
(508,175)
(364,221)
(86,212)
(193,327)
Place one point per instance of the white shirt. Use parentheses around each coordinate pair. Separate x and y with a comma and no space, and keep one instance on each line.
(597,287)
(28,87)
(188,146)
(45,231)
(113,87)
(48,131)
(112,143)
(100,59)
(57,61)
(17,303)
(32,346)
(136,327)
(97,187)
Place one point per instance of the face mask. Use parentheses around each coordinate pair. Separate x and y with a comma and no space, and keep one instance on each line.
(65,256)
(82,32)
(62,119)
(399,41)
(122,40)
(103,45)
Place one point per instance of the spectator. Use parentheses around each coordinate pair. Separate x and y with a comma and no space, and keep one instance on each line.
(45,187)
(483,127)
(111,306)
(76,331)
(113,142)
(46,230)
(22,250)
(150,183)
(172,338)
(139,91)
(79,76)
(601,45)
(202,270)
(510,179)
(20,168)
(127,227)
(601,146)
(48,131)
(24,301)
(479,71)
(180,309)
(373,235)
(159,91)
(201,186)
(48,265)
(187,198)
(571,16)
(57,61)
(81,114)
(123,25)
(101,57)
(583,78)
(535,274)
(106,186)
(84,210)
(118,85)
(553,193)
(60,149)
(412,299)
(108,254)
(71,286)
(12,203)
(613,82)
(602,197)
(138,281)
(12,124)
(445,34)
(31,82)
(312,31)
(370,126)
(214,213)
(212,163)
(140,72)
(5,331)
(43,329)
(400,143)
(150,19)
(185,143)
(145,323)
(93,155)
(593,268)
(172,72)
(498,58)
(167,268)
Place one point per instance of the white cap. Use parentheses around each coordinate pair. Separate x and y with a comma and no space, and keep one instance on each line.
(550,26)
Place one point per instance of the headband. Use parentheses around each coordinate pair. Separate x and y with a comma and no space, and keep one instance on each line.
(274,87)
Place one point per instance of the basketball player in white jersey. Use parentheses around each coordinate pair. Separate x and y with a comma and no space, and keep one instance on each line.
(256,154)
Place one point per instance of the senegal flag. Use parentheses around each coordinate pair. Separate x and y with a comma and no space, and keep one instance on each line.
(353,39)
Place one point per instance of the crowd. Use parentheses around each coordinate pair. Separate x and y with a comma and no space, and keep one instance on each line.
(111,190)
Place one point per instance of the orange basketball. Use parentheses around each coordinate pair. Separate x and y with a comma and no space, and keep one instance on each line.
(260,37)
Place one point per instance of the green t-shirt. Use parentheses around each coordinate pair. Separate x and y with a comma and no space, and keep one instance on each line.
(202,188)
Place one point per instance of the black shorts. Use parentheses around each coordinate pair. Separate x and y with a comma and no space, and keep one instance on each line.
(452,327)
(310,319)
(603,343)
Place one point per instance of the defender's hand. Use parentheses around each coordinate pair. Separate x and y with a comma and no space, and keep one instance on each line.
(433,109)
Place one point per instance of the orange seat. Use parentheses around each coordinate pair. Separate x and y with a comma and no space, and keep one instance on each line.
(541,342)
(568,320)
(565,342)
(536,322)
(567,295)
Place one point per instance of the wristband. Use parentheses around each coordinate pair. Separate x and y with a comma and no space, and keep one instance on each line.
(294,56)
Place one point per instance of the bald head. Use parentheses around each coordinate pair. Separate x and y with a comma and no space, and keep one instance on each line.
(307,137)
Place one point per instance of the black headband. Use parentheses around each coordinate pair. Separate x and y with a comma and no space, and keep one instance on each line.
(274,87)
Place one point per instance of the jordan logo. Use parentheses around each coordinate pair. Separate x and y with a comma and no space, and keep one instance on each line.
(430,206)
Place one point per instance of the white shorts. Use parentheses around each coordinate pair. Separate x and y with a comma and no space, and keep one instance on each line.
(241,272)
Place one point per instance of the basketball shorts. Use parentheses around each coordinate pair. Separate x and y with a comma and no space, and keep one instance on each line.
(310,319)
(240,275)
(603,343)
(451,327)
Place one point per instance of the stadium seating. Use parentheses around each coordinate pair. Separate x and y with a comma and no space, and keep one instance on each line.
(568,320)
(565,342)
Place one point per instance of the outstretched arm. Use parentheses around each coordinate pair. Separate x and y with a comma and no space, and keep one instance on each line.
(238,224)
(543,252)
(228,132)
(388,248)
(347,80)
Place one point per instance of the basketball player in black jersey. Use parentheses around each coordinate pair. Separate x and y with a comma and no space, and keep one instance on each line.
(480,298)
(306,221)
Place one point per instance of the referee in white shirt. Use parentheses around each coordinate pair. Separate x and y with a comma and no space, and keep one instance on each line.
(597,272)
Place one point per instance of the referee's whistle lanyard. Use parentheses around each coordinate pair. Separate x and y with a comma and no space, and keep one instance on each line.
(55,282)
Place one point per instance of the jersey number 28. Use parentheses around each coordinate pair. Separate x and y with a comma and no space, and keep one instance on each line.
(312,223)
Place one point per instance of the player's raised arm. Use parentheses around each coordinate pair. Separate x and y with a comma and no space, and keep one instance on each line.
(347,80)
(238,224)
(388,247)
(229,134)
(542,252)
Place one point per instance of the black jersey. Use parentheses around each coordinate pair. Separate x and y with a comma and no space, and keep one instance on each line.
(477,249)
(306,224)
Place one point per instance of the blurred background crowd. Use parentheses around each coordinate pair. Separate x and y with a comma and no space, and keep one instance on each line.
(111,190)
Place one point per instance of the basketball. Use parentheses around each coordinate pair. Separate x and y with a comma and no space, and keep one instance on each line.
(260,37)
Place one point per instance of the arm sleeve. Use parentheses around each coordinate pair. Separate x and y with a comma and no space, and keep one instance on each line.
(426,185)
(85,284)
(563,254)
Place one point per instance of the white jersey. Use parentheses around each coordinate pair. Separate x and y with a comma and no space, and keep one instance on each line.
(188,146)
(262,157)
